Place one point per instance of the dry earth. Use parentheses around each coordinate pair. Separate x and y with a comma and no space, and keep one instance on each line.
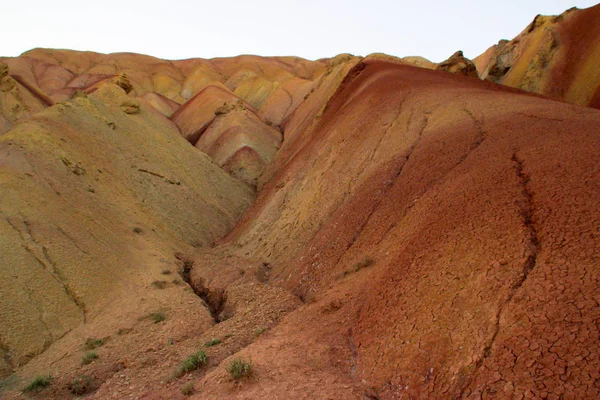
(354,228)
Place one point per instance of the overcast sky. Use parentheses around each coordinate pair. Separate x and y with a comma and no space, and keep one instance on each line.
(176,29)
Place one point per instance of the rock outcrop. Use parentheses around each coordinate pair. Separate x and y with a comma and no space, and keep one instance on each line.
(458,64)
(556,56)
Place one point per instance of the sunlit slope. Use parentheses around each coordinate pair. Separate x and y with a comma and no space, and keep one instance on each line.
(81,182)
(554,56)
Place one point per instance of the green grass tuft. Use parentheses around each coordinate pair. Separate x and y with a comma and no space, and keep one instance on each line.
(94,343)
(157,317)
(212,342)
(192,363)
(89,357)
(80,385)
(38,384)
(239,368)
(187,389)
(260,331)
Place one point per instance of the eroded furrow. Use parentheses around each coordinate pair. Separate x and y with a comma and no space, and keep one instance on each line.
(389,184)
(532,243)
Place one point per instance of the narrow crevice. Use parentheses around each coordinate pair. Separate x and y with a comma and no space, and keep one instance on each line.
(479,139)
(213,299)
(62,280)
(171,181)
(533,247)
(526,208)
(481,133)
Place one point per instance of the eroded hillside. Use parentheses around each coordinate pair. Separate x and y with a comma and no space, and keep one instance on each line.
(351,228)
(556,56)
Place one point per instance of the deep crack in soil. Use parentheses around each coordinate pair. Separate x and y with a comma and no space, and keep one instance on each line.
(213,299)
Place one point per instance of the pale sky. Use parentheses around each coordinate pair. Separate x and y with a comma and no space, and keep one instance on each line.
(177,29)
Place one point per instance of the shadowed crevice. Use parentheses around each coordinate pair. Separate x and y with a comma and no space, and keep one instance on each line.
(525,204)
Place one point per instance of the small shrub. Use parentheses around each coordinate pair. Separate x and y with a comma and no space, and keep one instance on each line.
(80,385)
(166,271)
(138,230)
(239,368)
(212,342)
(38,384)
(259,331)
(124,331)
(187,389)
(94,343)
(364,263)
(157,317)
(192,363)
(159,284)
(89,357)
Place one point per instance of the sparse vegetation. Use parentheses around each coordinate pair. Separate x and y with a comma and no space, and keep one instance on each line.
(80,385)
(124,331)
(212,342)
(159,284)
(38,384)
(239,368)
(260,331)
(188,389)
(157,317)
(192,363)
(89,357)
(364,263)
(94,343)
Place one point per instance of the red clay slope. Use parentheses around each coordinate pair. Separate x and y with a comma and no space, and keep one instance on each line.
(445,233)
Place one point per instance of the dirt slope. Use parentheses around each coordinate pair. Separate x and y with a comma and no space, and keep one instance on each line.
(88,188)
(416,234)
(554,56)
(475,286)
